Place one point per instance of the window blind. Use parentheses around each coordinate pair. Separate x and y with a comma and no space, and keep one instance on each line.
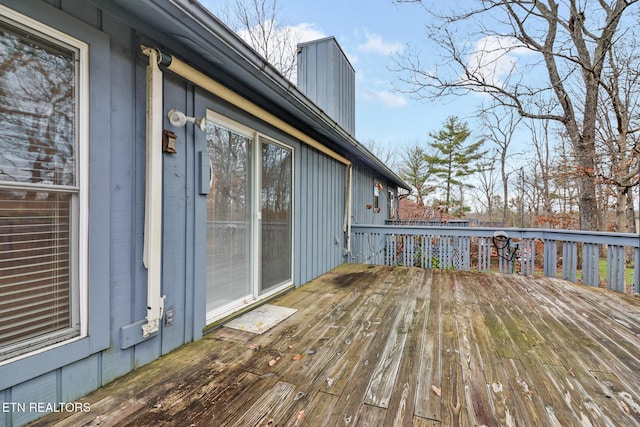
(35,291)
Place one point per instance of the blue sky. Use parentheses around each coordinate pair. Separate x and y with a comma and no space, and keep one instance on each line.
(372,33)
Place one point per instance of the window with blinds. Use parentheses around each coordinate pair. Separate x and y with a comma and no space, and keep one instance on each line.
(39,187)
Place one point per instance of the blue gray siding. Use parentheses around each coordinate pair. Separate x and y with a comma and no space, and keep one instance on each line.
(363,183)
(117,276)
(327,77)
(319,236)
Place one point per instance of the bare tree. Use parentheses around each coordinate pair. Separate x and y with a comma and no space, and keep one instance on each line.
(258,23)
(500,126)
(556,43)
(619,131)
(563,181)
(541,137)
(486,189)
(385,153)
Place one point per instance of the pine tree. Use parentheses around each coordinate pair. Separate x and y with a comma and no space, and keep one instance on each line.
(453,160)
(415,171)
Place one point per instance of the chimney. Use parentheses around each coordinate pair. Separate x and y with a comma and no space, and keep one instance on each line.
(326,76)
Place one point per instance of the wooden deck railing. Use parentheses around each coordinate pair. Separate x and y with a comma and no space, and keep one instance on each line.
(592,258)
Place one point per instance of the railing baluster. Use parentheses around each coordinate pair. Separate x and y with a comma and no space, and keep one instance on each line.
(484,254)
(550,258)
(569,260)
(615,268)
(531,260)
(636,273)
(590,264)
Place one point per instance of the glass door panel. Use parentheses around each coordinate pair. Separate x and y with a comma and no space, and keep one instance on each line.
(276,207)
(228,217)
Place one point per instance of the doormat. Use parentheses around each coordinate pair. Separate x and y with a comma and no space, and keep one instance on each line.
(261,319)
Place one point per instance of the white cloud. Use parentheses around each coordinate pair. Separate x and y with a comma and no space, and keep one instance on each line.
(384,98)
(495,58)
(282,43)
(285,37)
(305,32)
(376,44)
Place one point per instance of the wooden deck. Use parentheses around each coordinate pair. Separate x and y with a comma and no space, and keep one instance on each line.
(385,346)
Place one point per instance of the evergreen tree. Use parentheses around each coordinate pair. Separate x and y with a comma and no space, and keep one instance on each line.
(453,159)
(415,171)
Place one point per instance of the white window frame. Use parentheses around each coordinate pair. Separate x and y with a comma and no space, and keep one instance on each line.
(378,188)
(391,198)
(78,257)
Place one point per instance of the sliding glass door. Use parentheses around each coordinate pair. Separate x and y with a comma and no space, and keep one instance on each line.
(228,217)
(276,207)
(249,217)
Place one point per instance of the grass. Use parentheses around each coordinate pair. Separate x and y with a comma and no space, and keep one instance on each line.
(628,272)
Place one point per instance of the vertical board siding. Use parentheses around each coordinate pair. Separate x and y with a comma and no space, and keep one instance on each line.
(319,213)
(326,76)
(41,389)
(79,378)
(116,362)
(176,187)
(363,180)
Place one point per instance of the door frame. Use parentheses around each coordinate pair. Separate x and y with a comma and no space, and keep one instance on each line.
(255,155)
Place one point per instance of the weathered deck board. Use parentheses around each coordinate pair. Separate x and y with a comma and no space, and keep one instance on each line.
(428,403)
(400,347)
(402,403)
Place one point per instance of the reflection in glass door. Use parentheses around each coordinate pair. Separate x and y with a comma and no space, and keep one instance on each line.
(276,207)
(249,217)
(229,207)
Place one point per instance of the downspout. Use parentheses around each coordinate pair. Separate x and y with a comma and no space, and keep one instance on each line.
(152,255)
(347,209)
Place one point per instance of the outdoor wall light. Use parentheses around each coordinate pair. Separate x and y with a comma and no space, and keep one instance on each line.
(178,119)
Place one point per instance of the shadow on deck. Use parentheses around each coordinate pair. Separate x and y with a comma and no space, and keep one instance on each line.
(374,345)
